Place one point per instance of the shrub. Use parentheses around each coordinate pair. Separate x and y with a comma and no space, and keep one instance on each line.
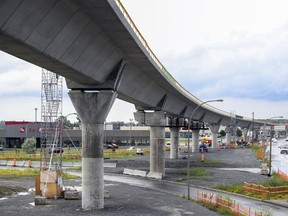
(29,146)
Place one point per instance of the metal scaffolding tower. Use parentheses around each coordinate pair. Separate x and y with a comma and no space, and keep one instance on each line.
(51,112)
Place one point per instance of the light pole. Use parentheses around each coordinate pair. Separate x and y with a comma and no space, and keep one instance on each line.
(270,152)
(61,138)
(35,128)
(130,139)
(252,135)
(189,125)
(263,137)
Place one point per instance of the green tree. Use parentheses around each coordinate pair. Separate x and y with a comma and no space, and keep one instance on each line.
(222,133)
(239,132)
(67,123)
(29,146)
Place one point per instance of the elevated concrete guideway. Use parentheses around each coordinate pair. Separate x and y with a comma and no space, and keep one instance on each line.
(96,46)
(98,49)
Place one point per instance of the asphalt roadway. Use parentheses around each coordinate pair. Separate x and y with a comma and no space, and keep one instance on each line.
(128,196)
(124,199)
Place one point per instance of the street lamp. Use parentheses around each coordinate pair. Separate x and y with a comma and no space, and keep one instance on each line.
(61,138)
(131,121)
(270,152)
(189,125)
(35,128)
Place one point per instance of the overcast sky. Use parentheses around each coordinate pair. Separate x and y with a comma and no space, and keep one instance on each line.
(229,49)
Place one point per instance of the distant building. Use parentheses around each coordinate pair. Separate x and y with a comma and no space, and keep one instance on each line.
(14,133)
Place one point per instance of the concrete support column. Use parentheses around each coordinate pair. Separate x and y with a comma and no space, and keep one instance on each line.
(214,130)
(228,131)
(157,151)
(195,140)
(245,134)
(174,142)
(92,109)
(157,121)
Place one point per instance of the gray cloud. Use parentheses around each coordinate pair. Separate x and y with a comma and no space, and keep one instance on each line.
(253,68)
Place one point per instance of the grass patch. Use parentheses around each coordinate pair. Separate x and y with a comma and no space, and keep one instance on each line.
(255,148)
(236,188)
(19,173)
(29,172)
(71,155)
(123,153)
(275,181)
(198,173)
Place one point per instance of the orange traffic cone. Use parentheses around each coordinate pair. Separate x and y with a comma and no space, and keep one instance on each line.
(29,164)
(202,158)
(14,163)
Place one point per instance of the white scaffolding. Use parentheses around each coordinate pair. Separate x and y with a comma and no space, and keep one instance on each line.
(51,112)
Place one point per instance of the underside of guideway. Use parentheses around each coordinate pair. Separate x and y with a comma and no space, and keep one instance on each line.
(96,46)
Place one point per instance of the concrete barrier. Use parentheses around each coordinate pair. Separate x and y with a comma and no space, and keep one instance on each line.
(128,171)
(71,195)
(155,175)
(23,163)
(140,173)
(113,165)
(3,163)
(10,163)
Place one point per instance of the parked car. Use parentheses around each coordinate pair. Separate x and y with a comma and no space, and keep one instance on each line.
(203,147)
(139,151)
(284,150)
(111,146)
(115,145)
(56,151)
(108,146)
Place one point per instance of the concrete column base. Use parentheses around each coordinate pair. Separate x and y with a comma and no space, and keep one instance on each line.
(214,130)
(157,151)
(174,142)
(40,200)
(72,195)
(92,183)
(195,140)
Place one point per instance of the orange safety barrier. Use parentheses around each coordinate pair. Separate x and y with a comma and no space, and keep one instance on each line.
(283,175)
(43,164)
(220,202)
(29,164)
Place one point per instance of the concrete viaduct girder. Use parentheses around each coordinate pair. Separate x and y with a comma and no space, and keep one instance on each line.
(95,47)
(85,41)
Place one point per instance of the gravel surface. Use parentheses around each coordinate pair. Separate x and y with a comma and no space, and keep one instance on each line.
(214,161)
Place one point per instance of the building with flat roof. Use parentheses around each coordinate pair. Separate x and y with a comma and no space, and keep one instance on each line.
(14,133)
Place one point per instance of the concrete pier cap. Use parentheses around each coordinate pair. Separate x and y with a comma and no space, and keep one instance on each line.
(157,121)
(92,108)
(214,128)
